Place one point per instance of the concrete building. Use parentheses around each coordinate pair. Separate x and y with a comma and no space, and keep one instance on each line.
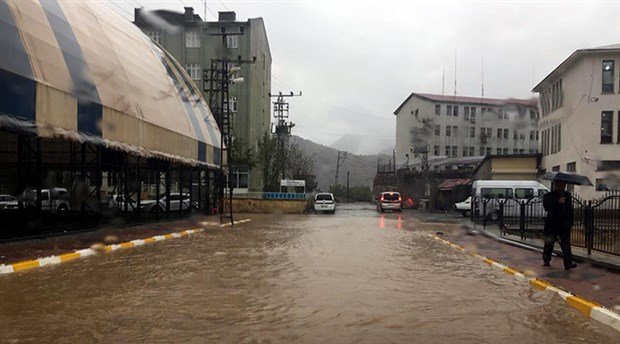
(508,167)
(455,126)
(194,42)
(579,106)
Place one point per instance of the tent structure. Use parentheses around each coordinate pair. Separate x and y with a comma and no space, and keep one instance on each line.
(77,70)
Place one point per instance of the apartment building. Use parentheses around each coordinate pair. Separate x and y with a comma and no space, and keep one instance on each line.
(455,126)
(194,43)
(580,108)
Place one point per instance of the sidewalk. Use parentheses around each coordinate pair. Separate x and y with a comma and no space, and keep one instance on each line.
(591,281)
(580,254)
(13,252)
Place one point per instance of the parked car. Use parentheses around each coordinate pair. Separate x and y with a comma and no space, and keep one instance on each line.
(55,200)
(324,202)
(391,200)
(464,207)
(177,201)
(119,203)
(500,190)
(8,202)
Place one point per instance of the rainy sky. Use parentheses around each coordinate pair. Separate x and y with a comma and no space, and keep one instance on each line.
(356,61)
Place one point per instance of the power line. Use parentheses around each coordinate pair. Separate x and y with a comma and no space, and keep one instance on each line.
(226,7)
(122,9)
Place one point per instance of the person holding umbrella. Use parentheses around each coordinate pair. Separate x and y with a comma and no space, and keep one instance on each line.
(559,221)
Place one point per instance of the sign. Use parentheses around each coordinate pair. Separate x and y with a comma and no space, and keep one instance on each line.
(291,182)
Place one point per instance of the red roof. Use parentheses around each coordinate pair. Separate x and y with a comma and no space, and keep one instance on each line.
(470,100)
(450,184)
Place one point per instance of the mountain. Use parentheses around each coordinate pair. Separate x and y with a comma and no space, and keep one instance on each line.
(362,168)
(363,145)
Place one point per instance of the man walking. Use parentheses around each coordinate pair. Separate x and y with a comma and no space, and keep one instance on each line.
(559,206)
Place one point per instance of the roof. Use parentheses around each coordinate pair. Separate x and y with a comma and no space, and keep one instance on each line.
(468,100)
(78,70)
(450,184)
(574,57)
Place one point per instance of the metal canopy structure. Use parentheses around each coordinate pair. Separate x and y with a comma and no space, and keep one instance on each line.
(90,104)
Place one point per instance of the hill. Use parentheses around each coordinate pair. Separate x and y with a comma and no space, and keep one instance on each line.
(362,168)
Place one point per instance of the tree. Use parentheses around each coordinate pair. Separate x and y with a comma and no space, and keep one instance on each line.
(278,160)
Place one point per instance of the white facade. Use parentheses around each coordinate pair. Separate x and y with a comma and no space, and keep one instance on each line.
(579,126)
(455,126)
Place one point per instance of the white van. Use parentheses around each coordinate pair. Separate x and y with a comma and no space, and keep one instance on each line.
(502,189)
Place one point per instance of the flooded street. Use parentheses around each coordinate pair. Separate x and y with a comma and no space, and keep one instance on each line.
(356,276)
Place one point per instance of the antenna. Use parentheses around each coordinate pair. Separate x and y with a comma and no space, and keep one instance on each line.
(482,76)
(455,72)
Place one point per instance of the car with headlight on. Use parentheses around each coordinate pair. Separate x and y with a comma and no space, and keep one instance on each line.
(389,200)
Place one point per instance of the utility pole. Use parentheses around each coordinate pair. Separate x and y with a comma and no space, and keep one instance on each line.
(348,198)
(339,163)
(282,128)
(221,74)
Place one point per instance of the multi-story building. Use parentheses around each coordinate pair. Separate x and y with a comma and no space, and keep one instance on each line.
(455,126)
(580,106)
(194,43)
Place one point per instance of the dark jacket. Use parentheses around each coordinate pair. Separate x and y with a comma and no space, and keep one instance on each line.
(559,216)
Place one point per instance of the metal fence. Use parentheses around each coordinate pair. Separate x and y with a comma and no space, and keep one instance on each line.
(270,195)
(596,224)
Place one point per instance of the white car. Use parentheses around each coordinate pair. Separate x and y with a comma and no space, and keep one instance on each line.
(177,201)
(390,201)
(8,202)
(464,207)
(324,202)
(55,200)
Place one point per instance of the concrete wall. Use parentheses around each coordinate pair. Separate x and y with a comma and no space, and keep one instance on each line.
(580,119)
(269,206)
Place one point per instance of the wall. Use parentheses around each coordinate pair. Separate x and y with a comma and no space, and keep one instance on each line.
(269,206)
(580,118)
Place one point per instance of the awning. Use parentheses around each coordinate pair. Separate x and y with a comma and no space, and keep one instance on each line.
(450,184)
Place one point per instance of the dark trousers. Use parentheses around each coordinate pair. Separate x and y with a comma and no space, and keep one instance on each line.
(550,240)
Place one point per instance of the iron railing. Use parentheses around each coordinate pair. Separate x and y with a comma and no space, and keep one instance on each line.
(596,224)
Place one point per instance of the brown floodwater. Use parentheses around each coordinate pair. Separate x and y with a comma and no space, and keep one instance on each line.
(354,277)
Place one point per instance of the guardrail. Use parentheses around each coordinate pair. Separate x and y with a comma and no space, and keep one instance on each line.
(270,195)
(596,224)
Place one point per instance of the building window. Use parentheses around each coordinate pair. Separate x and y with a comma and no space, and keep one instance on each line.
(437,109)
(472,132)
(500,113)
(488,150)
(437,130)
(521,151)
(472,117)
(532,114)
(232,41)
(192,39)
(606,126)
(448,130)
(498,151)
(499,133)
(608,77)
(455,131)
(571,167)
(240,179)
(448,110)
(455,111)
(447,151)
(532,134)
(435,150)
(472,151)
(522,136)
(505,151)
(466,113)
(556,168)
(194,71)
(465,151)
(454,151)
(155,36)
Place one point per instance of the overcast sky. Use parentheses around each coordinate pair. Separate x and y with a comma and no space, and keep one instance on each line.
(356,61)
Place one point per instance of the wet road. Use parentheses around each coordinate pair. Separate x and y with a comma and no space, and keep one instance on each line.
(354,277)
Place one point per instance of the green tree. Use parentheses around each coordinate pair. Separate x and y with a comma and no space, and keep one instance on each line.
(286,160)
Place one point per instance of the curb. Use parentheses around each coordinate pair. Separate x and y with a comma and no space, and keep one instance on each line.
(53,260)
(588,308)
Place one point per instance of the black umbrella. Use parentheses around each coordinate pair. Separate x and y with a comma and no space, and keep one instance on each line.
(569,178)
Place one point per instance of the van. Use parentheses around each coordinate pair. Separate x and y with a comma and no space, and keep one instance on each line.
(500,190)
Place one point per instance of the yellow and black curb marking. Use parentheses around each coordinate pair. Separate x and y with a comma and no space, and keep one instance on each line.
(52,260)
(588,308)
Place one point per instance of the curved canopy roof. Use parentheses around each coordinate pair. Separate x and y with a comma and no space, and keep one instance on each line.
(78,70)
